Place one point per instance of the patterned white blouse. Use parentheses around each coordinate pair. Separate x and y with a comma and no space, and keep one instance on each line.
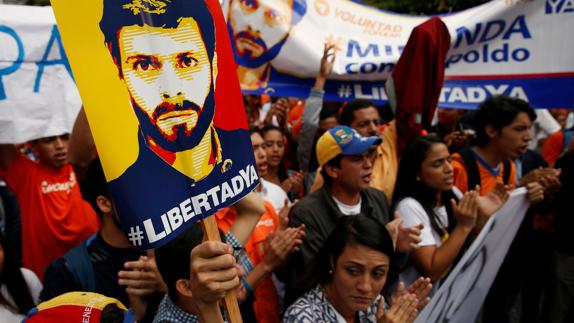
(313,307)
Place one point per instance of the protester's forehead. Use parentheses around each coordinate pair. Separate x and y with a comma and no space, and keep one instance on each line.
(256,138)
(186,37)
(284,6)
(256,3)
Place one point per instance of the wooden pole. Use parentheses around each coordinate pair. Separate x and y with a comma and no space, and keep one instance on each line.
(211,232)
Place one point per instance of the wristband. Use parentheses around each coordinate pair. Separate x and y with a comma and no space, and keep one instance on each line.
(247,286)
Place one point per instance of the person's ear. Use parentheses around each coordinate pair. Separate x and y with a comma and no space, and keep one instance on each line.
(104,204)
(331,171)
(183,287)
(490,131)
(332,263)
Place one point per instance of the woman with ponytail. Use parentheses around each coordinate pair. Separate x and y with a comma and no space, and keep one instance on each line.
(425,194)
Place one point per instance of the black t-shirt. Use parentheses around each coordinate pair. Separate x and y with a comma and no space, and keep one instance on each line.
(107,261)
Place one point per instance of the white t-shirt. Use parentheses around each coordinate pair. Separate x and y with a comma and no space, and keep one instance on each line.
(348,209)
(35,287)
(273,194)
(413,213)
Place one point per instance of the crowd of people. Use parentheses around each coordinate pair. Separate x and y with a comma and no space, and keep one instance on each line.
(344,225)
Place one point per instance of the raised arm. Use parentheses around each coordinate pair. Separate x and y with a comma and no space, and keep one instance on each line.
(312,109)
(249,210)
(82,146)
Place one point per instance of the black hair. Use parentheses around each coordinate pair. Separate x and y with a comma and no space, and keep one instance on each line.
(11,276)
(95,184)
(334,162)
(111,313)
(498,111)
(164,14)
(329,111)
(254,129)
(350,230)
(270,127)
(348,111)
(173,259)
(407,184)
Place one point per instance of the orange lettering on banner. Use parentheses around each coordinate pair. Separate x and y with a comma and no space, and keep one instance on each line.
(371,27)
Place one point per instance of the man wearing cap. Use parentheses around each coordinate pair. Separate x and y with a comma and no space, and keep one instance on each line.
(346,159)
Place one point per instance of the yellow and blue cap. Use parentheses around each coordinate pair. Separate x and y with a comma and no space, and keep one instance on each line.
(342,140)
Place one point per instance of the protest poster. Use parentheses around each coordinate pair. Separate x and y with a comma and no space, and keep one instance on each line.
(38,96)
(509,47)
(515,48)
(160,91)
(460,297)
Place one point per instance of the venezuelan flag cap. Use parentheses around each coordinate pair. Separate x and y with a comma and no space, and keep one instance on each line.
(80,307)
(342,140)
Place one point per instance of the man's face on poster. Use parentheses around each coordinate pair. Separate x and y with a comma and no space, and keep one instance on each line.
(258,26)
(168,75)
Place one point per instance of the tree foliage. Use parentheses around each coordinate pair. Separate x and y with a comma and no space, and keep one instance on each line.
(418,7)
(413,7)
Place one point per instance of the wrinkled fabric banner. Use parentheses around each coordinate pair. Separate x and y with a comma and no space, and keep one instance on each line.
(460,297)
(38,96)
(163,101)
(509,47)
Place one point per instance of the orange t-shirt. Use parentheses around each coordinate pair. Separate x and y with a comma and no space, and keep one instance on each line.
(54,217)
(266,303)
(552,148)
(487,179)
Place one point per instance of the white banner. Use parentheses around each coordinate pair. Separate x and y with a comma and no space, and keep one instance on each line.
(519,48)
(38,96)
(460,297)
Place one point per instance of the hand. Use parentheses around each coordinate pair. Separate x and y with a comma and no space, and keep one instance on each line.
(547,177)
(403,310)
(490,203)
(421,288)
(327,60)
(141,277)
(535,192)
(280,244)
(405,239)
(213,272)
(462,139)
(550,180)
(279,109)
(457,139)
(294,183)
(284,215)
(466,211)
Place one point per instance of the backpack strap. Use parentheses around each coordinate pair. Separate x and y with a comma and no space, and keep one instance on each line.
(506,171)
(471,166)
(80,265)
